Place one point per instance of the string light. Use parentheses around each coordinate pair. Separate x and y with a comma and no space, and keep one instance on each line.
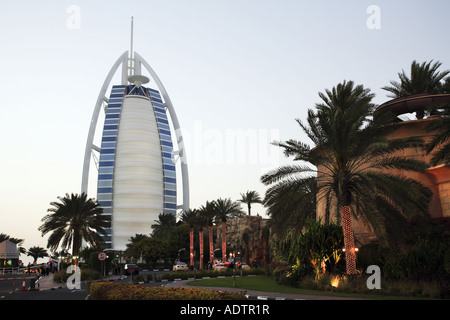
(191,245)
(224,242)
(201,249)
(349,241)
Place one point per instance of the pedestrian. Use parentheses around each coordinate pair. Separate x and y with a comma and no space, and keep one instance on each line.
(29,268)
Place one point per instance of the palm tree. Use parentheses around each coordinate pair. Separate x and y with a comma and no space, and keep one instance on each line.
(209,212)
(73,219)
(250,197)
(353,161)
(201,221)
(290,202)
(226,208)
(37,252)
(190,217)
(424,78)
(164,223)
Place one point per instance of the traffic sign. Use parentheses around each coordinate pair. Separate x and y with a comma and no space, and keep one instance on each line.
(102,256)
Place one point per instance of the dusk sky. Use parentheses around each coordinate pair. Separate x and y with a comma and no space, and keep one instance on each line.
(238,73)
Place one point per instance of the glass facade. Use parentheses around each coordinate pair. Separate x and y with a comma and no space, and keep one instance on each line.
(107,159)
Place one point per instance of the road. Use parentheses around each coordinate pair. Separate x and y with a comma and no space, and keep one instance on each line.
(11,289)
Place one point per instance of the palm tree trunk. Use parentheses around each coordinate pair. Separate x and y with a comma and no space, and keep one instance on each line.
(211,244)
(200,234)
(349,241)
(76,244)
(191,246)
(224,241)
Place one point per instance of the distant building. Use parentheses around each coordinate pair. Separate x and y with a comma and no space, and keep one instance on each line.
(9,254)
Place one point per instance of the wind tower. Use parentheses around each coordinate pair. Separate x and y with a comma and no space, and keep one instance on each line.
(137,161)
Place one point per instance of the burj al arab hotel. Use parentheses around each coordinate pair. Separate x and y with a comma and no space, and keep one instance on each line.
(141,149)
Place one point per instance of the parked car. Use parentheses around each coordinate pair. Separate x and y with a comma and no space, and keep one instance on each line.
(131,269)
(245,266)
(220,266)
(180,266)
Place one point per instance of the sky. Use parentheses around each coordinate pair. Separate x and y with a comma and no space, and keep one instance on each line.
(238,74)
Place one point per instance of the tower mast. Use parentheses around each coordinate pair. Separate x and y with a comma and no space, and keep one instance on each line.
(131,55)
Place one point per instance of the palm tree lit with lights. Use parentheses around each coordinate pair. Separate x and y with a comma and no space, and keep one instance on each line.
(352,160)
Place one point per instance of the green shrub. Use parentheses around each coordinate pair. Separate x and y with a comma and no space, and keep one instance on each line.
(86,275)
(208,273)
(125,291)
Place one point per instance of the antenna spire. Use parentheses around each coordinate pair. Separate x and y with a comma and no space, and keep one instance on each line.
(131,50)
(131,55)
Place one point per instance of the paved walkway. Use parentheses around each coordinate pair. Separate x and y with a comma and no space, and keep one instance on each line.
(47,283)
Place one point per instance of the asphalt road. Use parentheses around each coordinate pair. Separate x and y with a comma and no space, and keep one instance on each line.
(11,289)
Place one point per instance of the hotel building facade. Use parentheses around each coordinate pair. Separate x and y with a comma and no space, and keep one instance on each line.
(141,144)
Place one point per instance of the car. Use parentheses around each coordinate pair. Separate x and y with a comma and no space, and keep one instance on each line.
(131,269)
(220,266)
(33,269)
(245,266)
(180,266)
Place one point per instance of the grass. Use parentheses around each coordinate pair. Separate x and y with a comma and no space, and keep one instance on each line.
(268,284)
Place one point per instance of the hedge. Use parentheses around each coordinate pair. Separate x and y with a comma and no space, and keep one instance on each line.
(128,291)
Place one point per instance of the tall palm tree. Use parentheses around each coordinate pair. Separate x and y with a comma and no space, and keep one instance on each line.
(291,202)
(73,219)
(226,208)
(190,217)
(37,252)
(209,212)
(164,223)
(250,197)
(353,161)
(201,221)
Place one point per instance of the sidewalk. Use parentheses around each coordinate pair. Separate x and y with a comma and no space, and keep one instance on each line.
(47,283)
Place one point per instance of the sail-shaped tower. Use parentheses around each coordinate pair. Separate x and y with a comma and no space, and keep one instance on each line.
(140,153)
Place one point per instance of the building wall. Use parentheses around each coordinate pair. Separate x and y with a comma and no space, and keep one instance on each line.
(137,178)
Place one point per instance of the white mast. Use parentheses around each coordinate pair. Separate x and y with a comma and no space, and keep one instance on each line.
(131,64)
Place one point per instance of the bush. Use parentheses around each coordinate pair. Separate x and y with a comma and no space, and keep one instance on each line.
(126,291)
(209,273)
(86,275)
(424,261)
(368,254)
